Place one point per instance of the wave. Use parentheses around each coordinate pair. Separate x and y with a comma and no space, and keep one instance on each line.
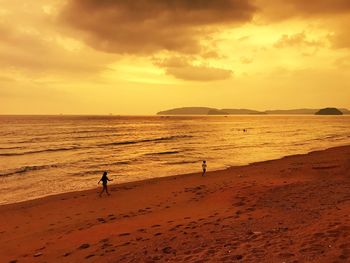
(120,163)
(10,148)
(58,135)
(182,162)
(167,152)
(333,136)
(40,151)
(88,172)
(90,137)
(26,169)
(31,140)
(86,147)
(146,140)
(102,166)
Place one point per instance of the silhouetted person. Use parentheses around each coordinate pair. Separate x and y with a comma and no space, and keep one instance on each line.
(204,167)
(104,180)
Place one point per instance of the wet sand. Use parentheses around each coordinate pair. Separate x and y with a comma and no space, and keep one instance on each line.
(296,209)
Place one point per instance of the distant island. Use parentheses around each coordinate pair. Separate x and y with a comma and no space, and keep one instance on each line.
(329,111)
(214,111)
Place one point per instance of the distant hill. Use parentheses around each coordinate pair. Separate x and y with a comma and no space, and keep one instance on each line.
(294,111)
(344,111)
(217,112)
(301,111)
(213,111)
(187,111)
(329,111)
(242,111)
(207,111)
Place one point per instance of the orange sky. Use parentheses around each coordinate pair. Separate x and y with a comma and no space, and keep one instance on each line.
(143,56)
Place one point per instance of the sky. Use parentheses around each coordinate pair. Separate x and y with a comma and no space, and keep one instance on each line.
(144,56)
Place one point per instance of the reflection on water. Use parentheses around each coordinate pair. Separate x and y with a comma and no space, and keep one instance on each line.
(45,155)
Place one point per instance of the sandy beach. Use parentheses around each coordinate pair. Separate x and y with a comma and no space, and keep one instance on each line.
(295,209)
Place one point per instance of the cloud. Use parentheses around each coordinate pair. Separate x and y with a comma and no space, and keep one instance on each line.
(32,53)
(246,60)
(341,40)
(340,36)
(332,16)
(319,7)
(343,63)
(286,9)
(181,68)
(150,26)
(299,39)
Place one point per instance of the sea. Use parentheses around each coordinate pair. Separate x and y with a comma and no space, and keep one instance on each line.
(46,155)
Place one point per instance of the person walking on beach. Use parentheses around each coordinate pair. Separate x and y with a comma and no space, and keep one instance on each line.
(204,167)
(104,180)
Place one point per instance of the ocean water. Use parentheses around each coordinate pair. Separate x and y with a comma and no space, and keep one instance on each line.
(44,155)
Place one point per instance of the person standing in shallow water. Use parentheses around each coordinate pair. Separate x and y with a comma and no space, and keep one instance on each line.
(104,180)
(204,167)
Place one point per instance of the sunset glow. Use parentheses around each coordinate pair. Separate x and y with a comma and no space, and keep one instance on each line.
(140,57)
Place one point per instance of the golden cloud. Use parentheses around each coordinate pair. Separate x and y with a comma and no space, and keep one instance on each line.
(28,51)
(340,37)
(299,39)
(181,68)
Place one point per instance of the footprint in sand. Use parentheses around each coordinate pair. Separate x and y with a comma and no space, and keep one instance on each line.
(126,244)
(124,234)
(286,255)
(106,245)
(102,220)
(104,240)
(84,246)
(168,250)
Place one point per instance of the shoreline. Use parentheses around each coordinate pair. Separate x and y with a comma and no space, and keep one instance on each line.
(293,209)
(169,177)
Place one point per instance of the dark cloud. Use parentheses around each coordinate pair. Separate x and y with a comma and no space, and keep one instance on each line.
(285,9)
(181,68)
(319,7)
(149,26)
